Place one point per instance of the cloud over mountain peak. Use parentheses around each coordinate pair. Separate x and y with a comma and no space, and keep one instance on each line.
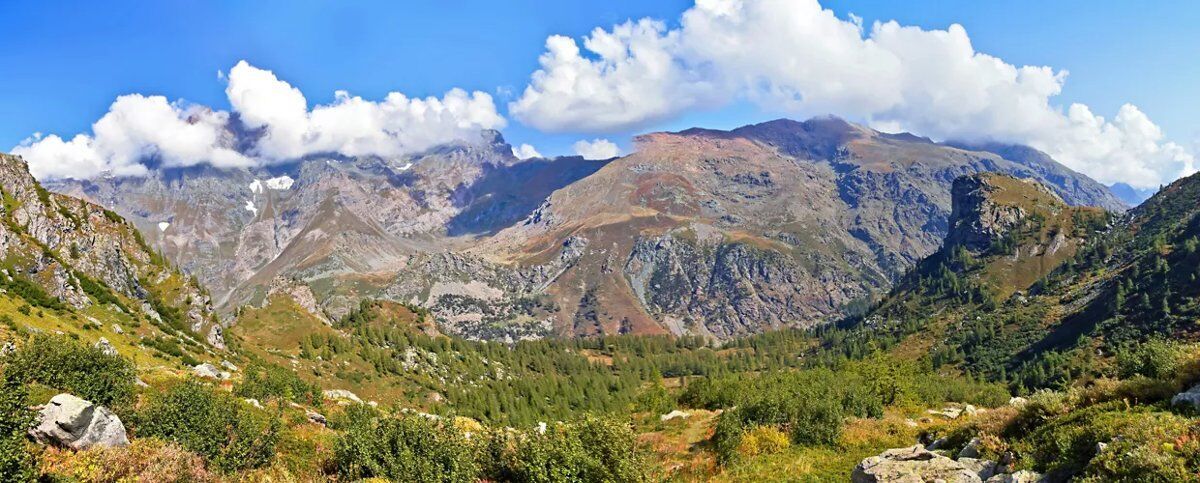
(140,132)
(799,58)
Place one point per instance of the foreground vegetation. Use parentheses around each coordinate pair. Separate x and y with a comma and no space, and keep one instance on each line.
(753,412)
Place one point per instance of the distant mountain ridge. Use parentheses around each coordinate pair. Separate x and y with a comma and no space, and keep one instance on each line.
(716,233)
(1130,195)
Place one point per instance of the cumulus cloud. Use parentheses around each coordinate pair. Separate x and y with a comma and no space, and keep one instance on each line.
(596,149)
(798,58)
(351,125)
(141,132)
(525,151)
(136,129)
(632,77)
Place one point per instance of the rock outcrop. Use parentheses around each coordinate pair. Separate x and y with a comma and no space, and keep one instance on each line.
(919,464)
(912,465)
(71,422)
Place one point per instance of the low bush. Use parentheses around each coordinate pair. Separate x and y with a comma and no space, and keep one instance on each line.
(1155,446)
(405,448)
(1041,407)
(146,459)
(712,393)
(229,434)
(1155,358)
(591,449)
(270,382)
(654,399)
(65,364)
(16,464)
(762,440)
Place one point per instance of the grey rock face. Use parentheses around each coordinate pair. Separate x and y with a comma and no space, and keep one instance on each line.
(984,468)
(732,289)
(971,450)
(60,242)
(78,424)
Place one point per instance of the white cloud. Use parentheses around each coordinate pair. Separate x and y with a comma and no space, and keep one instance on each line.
(525,151)
(138,129)
(596,149)
(631,77)
(352,126)
(797,58)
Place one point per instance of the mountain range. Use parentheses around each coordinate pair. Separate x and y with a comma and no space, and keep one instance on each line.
(701,232)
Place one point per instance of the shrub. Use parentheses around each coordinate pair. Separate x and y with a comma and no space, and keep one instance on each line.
(1042,406)
(762,440)
(164,345)
(1155,446)
(654,399)
(710,393)
(99,290)
(16,464)
(145,459)
(218,426)
(32,293)
(592,449)
(727,437)
(405,448)
(63,363)
(271,382)
(1155,358)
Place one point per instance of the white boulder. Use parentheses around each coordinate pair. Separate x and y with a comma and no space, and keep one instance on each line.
(341,395)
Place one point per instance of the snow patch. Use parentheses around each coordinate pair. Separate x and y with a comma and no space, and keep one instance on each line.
(256,187)
(162,226)
(251,208)
(405,167)
(280,183)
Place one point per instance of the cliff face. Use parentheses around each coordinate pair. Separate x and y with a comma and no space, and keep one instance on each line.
(985,208)
(76,251)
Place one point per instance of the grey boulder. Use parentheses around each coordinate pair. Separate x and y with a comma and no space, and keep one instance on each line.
(1023,476)
(912,465)
(78,424)
(1189,398)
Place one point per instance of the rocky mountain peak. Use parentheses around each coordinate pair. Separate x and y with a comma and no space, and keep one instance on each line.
(14,175)
(986,206)
(66,249)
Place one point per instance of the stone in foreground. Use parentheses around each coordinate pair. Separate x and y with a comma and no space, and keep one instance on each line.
(1189,398)
(912,465)
(78,424)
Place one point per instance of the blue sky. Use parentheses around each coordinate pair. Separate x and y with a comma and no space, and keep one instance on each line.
(67,61)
